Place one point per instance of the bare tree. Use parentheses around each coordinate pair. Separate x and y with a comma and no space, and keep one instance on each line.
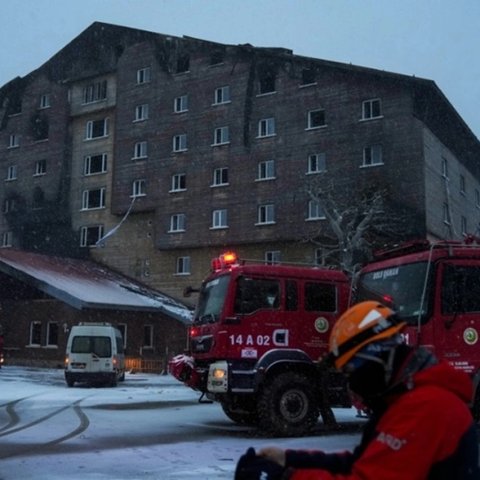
(358,221)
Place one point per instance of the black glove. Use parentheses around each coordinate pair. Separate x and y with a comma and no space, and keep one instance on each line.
(252,467)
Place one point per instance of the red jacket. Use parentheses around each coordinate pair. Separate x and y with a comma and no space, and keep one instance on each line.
(425,433)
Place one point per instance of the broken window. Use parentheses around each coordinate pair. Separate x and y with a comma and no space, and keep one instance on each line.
(39,125)
(217,57)
(267,82)
(308,76)
(183,63)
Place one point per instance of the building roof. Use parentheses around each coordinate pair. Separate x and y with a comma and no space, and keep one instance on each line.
(84,284)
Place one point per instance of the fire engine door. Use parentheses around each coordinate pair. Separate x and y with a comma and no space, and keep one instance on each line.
(457,312)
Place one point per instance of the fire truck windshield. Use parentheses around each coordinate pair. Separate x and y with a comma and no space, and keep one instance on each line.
(211,300)
(400,287)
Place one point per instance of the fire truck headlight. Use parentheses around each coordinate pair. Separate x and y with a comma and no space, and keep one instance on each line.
(219,373)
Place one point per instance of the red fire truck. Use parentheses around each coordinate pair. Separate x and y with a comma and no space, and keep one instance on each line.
(258,334)
(435,288)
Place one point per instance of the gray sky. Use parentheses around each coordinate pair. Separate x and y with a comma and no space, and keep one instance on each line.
(434,39)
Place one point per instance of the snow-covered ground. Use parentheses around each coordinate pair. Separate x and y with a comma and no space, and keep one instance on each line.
(148,427)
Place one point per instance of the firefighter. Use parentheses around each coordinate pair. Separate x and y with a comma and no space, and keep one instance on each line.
(420,426)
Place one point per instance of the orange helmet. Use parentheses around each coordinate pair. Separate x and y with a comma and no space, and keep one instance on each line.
(359,326)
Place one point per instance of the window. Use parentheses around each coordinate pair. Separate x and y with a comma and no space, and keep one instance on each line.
(266,127)
(93,164)
(446,214)
(272,257)
(319,258)
(9,205)
(123,330)
(93,199)
(222,95)
(266,170)
(463,225)
(316,163)
(320,297)
(179,182)
(256,293)
(308,76)
(267,82)
(44,101)
(143,75)
(177,222)
(221,136)
(462,185)
(89,236)
(460,290)
(141,112)
(219,218)
(316,119)
(220,177)
(96,129)
(35,333)
(95,92)
(148,336)
(13,141)
(139,188)
(183,266)
(372,156)
(140,150)
(52,334)
(40,167)
(7,239)
(180,104)
(180,143)
(371,109)
(12,172)
(444,168)
(315,212)
(100,346)
(266,214)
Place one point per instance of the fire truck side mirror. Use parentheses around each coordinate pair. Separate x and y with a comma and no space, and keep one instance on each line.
(187,291)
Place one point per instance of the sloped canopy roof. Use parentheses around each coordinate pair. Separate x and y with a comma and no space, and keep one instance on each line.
(84,284)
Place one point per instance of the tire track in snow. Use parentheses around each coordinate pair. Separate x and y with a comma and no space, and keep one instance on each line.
(84,423)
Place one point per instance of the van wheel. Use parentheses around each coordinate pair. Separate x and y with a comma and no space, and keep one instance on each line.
(69,381)
(287,406)
(113,381)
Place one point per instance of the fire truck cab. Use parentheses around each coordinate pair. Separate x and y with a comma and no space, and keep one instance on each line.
(435,288)
(258,334)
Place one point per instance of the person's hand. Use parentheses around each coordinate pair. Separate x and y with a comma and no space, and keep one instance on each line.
(274,454)
(250,466)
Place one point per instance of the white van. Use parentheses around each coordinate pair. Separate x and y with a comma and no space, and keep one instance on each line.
(94,355)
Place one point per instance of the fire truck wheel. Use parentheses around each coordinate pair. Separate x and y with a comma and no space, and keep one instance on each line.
(240,417)
(287,405)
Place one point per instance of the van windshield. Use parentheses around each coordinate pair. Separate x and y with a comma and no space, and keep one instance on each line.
(99,346)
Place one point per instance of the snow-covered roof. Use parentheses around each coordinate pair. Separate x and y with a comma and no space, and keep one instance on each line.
(86,284)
